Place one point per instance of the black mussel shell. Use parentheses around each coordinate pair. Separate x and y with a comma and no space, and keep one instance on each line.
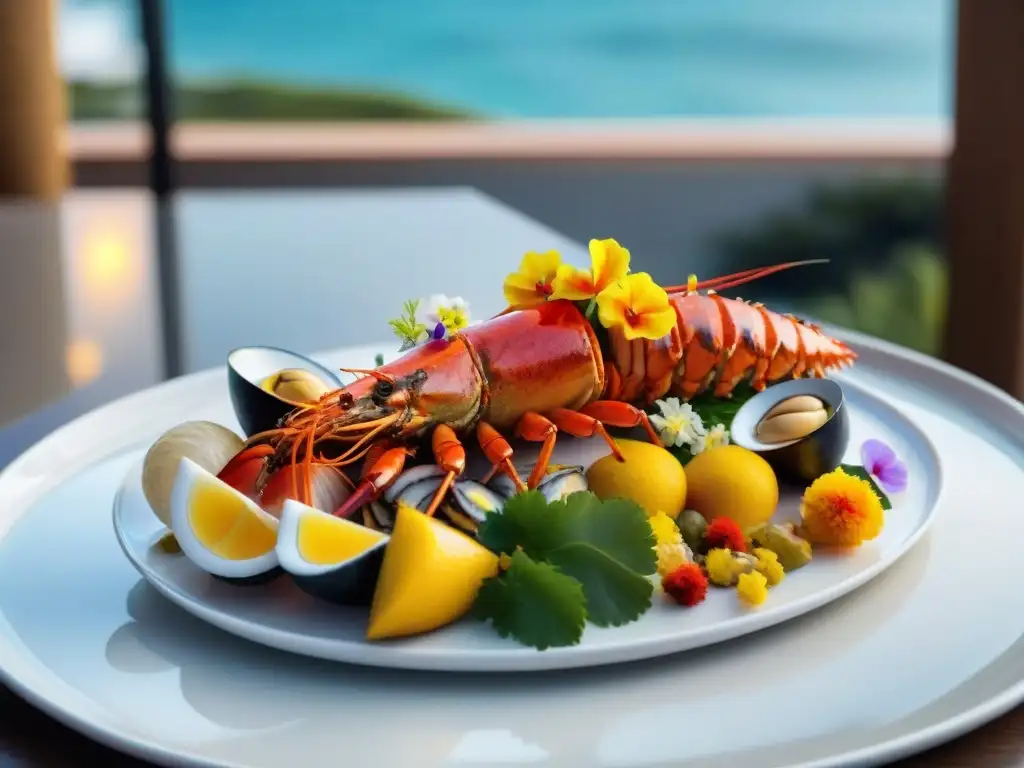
(805,459)
(556,478)
(256,409)
(428,474)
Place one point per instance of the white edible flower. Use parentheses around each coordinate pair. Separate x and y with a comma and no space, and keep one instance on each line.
(452,312)
(678,424)
(718,435)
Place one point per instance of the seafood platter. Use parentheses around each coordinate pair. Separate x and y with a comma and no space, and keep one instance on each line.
(442,488)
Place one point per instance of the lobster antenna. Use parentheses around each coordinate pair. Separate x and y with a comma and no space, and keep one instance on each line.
(741,278)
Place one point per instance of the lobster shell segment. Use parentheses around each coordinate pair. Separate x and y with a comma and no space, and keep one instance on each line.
(717,344)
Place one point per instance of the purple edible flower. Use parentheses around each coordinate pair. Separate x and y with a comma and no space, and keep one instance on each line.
(881,462)
(439,331)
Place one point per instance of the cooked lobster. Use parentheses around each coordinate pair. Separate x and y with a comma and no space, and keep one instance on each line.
(533,372)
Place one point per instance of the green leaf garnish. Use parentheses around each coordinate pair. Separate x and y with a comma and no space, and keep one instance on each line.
(378,360)
(618,527)
(615,595)
(406,327)
(534,603)
(526,522)
(863,474)
(570,560)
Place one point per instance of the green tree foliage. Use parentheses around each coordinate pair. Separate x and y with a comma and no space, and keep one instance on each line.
(247,100)
(858,227)
(886,274)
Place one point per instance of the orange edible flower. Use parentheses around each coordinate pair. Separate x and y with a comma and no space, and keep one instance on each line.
(687,585)
(532,284)
(841,510)
(638,306)
(724,533)
(609,262)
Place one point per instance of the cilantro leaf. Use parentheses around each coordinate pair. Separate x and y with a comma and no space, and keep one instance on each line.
(526,522)
(614,594)
(863,474)
(617,527)
(534,603)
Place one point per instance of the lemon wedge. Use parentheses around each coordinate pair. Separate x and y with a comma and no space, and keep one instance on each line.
(429,578)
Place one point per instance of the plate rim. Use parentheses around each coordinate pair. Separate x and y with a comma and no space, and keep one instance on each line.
(492,661)
(16,673)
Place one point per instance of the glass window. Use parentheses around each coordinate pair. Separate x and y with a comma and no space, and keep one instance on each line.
(519,59)
(101,58)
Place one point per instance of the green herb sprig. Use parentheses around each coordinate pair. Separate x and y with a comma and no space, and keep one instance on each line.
(567,562)
(406,327)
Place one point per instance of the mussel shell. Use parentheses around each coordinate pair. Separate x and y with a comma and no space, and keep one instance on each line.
(412,477)
(418,494)
(459,519)
(463,493)
(560,483)
(383,515)
(805,459)
(551,486)
(256,409)
(502,485)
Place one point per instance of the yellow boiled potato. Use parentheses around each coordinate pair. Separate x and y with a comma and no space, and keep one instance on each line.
(730,481)
(650,476)
(429,578)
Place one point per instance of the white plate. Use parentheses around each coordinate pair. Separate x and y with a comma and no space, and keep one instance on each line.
(933,647)
(281,616)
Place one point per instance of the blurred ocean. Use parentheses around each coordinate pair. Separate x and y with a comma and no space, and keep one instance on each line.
(557,58)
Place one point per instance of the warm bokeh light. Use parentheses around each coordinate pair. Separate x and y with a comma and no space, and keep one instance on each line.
(107,264)
(84,361)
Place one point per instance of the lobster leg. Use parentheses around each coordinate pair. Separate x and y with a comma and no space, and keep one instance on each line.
(538,429)
(498,452)
(623,415)
(375,479)
(451,457)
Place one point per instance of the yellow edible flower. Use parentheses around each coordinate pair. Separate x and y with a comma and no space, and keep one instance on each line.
(768,565)
(752,588)
(664,528)
(670,558)
(668,543)
(721,567)
(638,306)
(532,284)
(841,510)
(609,262)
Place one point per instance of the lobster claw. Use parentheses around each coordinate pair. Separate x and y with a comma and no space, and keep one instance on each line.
(376,478)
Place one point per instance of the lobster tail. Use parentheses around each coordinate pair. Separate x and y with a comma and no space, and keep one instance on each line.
(719,343)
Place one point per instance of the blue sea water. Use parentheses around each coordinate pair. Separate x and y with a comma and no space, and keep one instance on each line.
(590,58)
